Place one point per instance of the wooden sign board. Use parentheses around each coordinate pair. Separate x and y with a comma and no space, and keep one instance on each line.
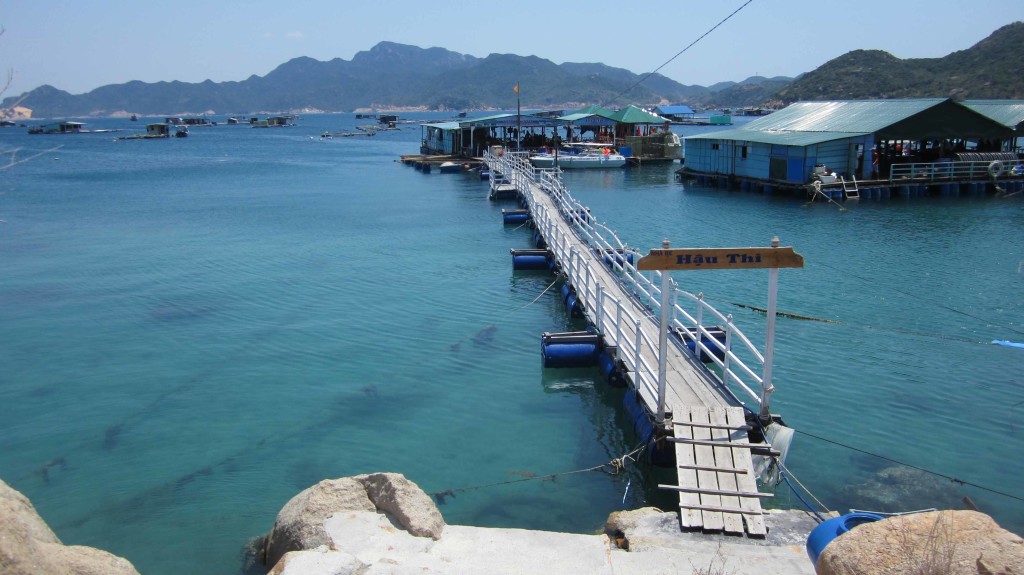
(720,259)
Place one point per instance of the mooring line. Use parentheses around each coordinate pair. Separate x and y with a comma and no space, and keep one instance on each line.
(922,469)
(614,467)
(557,279)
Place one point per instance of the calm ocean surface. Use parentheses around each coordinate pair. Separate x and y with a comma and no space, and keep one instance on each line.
(194,330)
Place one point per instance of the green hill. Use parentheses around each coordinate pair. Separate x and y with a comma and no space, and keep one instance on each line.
(991,68)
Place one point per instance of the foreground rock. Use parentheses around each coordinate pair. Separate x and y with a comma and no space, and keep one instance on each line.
(29,547)
(301,524)
(961,542)
(383,523)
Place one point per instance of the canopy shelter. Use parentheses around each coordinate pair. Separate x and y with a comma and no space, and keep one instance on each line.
(471,136)
(1009,113)
(910,119)
(580,123)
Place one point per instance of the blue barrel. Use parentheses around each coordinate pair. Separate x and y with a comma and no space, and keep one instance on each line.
(569,354)
(566,290)
(572,305)
(515,216)
(610,370)
(538,240)
(824,533)
(530,262)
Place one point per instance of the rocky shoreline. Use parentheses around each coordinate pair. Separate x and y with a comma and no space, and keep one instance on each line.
(384,523)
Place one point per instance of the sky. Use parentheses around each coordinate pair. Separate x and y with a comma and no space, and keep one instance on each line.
(80,45)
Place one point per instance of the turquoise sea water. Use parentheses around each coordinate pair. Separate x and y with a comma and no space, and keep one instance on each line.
(195,330)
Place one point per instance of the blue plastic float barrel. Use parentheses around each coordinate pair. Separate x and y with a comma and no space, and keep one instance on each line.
(687,335)
(824,533)
(538,240)
(610,369)
(616,256)
(572,349)
(530,260)
(515,216)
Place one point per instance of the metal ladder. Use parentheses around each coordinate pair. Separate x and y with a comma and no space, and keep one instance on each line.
(848,192)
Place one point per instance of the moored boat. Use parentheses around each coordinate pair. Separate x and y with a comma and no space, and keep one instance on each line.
(580,156)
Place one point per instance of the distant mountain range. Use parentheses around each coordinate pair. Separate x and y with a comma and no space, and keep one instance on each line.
(393,76)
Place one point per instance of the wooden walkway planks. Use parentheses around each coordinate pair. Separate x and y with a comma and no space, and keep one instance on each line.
(722,474)
(746,482)
(689,514)
(726,480)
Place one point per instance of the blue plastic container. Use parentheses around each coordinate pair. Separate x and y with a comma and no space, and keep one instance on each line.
(824,533)
(570,354)
(530,262)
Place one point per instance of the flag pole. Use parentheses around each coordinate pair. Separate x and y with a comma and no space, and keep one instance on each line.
(519,128)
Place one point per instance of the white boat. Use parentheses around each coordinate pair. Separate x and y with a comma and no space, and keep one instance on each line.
(579,156)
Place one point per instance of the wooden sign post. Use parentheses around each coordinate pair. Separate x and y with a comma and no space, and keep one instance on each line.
(772,258)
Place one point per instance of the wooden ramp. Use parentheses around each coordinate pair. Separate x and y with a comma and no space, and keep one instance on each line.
(717,488)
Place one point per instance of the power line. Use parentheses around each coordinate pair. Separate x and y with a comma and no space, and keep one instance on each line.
(667,62)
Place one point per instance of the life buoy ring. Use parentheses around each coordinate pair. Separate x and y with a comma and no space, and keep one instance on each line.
(995,169)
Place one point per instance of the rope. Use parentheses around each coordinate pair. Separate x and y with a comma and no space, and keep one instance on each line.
(786,475)
(614,467)
(541,294)
(816,187)
(898,462)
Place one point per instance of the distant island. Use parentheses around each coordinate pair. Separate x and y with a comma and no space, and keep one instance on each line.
(393,76)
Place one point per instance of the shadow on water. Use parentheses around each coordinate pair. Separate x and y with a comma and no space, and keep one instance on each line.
(113,433)
(351,408)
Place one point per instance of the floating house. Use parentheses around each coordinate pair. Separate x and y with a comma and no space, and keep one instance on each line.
(197,122)
(58,128)
(273,122)
(679,113)
(637,133)
(884,141)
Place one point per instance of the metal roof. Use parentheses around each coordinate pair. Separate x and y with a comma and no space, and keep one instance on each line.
(510,121)
(842,116)
(1009,113)
(444,125)
(674,110)
(634,115)
(582,119)
(595,109)
(783,138)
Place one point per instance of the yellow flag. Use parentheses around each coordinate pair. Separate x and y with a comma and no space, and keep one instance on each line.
(516,89)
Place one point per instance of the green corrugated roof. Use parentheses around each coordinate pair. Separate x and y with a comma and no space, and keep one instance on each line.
(510,120)
(634,115)
(1009,113)
(444,125)
(582,119)
(595,109)
(784,138)
(485,119)
(842,116)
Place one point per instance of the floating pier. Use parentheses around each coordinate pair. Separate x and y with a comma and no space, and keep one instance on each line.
(690,415)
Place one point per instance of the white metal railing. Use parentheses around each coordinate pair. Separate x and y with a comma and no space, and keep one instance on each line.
(961,170)
(740,367)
